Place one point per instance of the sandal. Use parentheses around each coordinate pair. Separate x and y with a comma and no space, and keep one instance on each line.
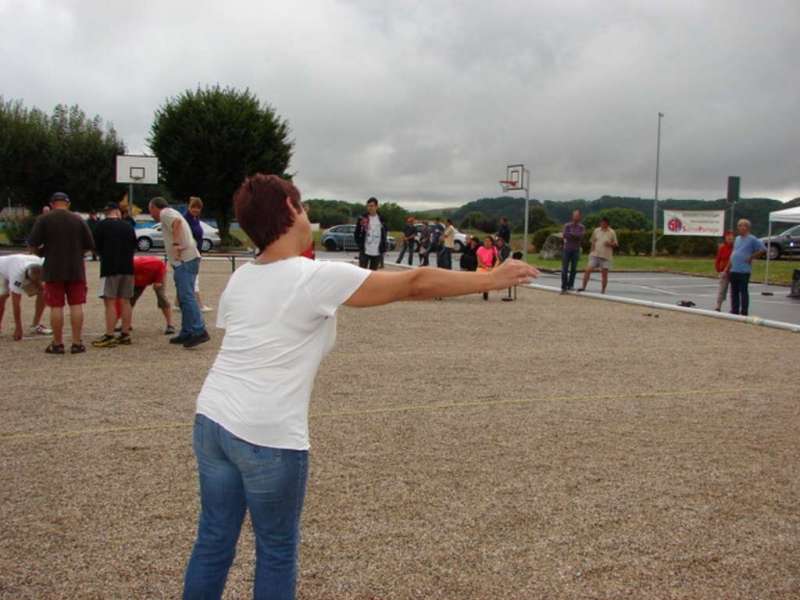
(77,348)
(55,349)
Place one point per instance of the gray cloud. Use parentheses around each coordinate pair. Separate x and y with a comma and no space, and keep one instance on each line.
(425,103)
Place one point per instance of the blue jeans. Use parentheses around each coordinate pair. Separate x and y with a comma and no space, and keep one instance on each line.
(740,295)
(409,247)
(569,265)
(185,275)
(236,476)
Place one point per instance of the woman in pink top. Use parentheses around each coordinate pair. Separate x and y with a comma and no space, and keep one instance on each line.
(487,258)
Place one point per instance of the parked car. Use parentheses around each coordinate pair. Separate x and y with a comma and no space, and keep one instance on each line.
(787,243)
(149,237)
(460,241)
(343,237)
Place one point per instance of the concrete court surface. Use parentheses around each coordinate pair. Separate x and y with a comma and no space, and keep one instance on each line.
(666,288)
(461,450)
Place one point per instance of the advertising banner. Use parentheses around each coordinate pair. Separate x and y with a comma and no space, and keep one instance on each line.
(694,222)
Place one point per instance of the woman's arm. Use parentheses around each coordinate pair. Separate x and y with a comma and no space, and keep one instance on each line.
(383,287)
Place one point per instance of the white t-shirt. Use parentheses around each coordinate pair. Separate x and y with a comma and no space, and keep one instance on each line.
(189,251)
(12,270)
(372,244)
(280,322)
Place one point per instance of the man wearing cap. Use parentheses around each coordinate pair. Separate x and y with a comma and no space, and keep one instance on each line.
(115,240)
(185,260)
(22,274)
(63,238)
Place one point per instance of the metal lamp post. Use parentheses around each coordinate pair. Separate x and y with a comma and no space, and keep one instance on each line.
(655,199)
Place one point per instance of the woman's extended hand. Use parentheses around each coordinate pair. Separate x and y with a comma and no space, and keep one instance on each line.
(512,272)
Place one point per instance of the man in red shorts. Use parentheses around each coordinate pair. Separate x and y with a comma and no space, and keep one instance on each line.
(151,270)
(63,238)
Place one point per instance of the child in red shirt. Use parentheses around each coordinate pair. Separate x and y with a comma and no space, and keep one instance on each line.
(720,264)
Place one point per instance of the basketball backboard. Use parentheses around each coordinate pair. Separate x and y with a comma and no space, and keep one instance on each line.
(133,168)
(516,178)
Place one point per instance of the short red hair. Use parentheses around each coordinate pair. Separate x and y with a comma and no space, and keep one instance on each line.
(260,207)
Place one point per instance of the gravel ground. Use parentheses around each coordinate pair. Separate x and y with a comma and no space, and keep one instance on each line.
(555,447)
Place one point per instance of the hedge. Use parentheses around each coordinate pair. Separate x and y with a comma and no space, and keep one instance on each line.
(640,243)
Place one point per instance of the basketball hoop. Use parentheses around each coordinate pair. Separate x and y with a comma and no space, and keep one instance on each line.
(509,184)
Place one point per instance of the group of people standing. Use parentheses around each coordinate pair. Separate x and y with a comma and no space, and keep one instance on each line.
(734,265)
(429,239)
(55,273)
(603,242)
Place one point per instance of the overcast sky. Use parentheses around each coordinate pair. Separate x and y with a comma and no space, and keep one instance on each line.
(424,103)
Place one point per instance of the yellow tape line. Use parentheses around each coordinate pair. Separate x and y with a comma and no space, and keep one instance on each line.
(385,409)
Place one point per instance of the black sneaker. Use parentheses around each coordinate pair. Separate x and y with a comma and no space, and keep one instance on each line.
(196,340)
(179,339)
(170,330)
(124,339)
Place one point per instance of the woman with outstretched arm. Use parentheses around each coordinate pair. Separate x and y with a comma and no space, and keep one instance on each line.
(251,428)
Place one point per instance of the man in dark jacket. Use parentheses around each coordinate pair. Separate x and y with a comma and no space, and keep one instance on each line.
(504,231)
(409,239)
(115,241)
(370,235)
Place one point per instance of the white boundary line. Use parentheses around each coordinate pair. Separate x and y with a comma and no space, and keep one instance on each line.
(661,306)
(702,312)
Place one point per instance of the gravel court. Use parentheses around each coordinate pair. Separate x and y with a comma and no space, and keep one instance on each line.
(550,447)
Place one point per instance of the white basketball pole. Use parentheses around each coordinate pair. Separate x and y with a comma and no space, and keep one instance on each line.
(527,203)
(658,164)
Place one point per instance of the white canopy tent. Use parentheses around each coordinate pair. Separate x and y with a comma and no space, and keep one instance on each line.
(787,215)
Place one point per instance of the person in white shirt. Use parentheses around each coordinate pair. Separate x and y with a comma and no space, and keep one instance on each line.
(185,260)
(22,274)
(370,235)
(251,428)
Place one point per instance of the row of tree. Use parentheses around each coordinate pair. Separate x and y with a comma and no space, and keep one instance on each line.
(207,141)
(63,151)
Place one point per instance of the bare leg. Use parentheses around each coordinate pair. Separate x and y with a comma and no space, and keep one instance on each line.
(57,324)
(604,278)
(127,315)
(167,315)
(76,320)
(111,315)
(37,316)
(586,275)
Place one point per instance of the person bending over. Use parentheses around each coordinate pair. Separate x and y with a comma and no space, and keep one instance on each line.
(150,270)
(251,435)
(22,274)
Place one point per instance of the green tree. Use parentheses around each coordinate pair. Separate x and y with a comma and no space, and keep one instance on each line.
(208,140)
(41,154)
(473,220)
(537,218)
(394,214)
(619,218)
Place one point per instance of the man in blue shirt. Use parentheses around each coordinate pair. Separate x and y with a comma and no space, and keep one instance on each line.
(746,247)
(573,236)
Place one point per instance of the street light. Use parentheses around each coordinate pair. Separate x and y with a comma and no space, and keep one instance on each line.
(655,200)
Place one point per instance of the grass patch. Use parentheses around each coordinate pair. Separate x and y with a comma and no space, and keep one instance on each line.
(780,271)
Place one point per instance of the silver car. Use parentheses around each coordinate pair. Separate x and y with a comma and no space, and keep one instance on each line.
(152,237)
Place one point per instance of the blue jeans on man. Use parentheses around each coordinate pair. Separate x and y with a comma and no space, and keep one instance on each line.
(237,476)
(740,295)
(407,246)
(569,266)
(185,274)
